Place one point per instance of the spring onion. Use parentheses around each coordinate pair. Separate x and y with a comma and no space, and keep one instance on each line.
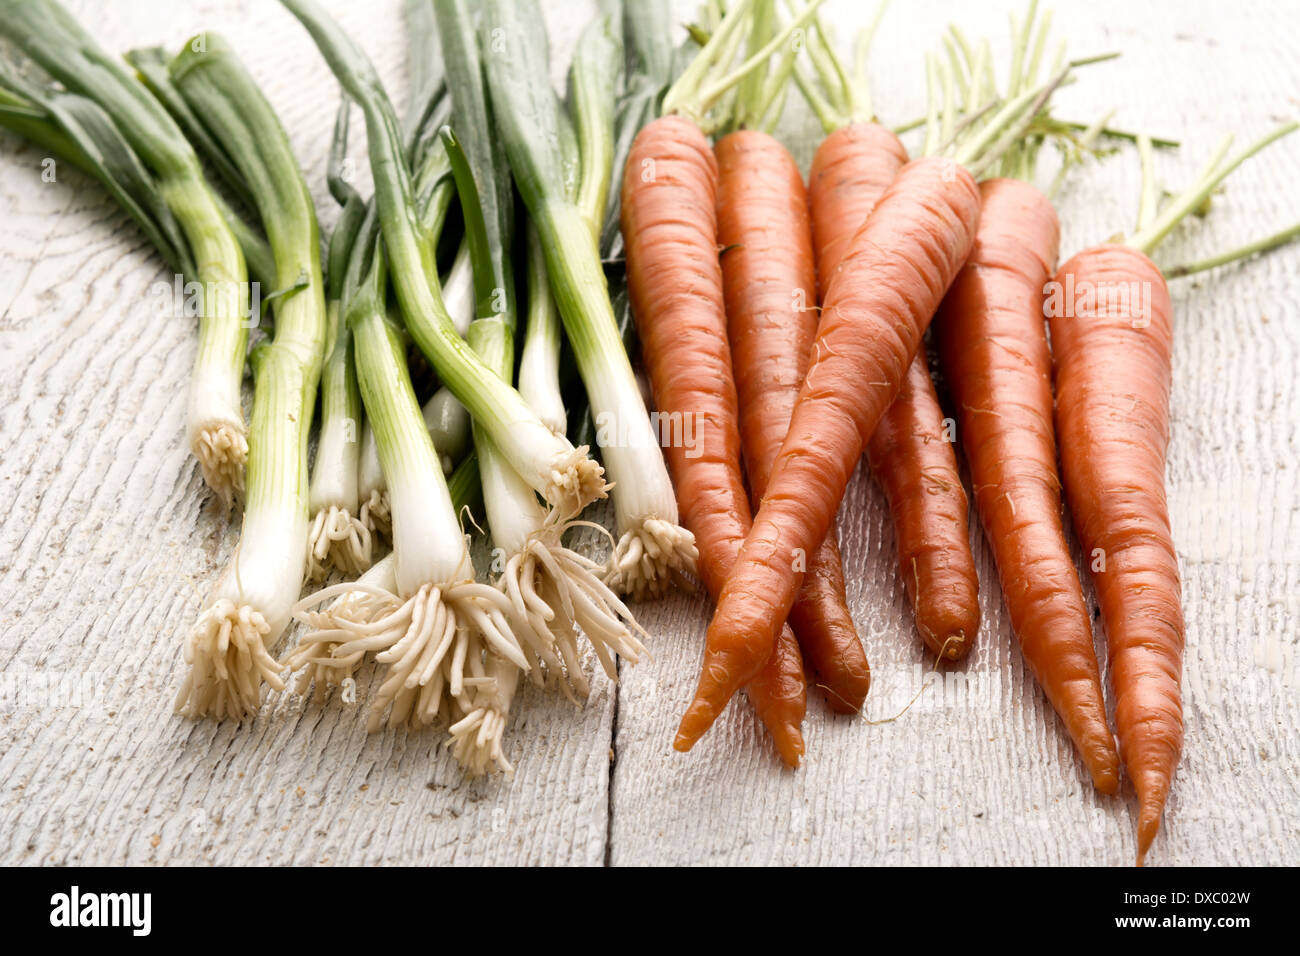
(649,62)
(447,418)
(434,623)
(539,362)
(651,548)
(556,592)
(444,417)
(340,636)
(251,605)
(216,432)
(533,562)
(566,477)
(314,658)
(479,711)
(335,537)
(476,736)
(339,537)
(594,66)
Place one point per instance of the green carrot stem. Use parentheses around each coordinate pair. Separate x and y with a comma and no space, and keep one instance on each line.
(1145,240)
(1267,244)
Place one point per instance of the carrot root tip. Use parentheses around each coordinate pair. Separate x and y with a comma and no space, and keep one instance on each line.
(791,755)
(1105,774)
(699,717)
(1152,808)
(955,646)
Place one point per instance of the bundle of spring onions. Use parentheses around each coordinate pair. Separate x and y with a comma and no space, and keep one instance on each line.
(551,593)
(191,149)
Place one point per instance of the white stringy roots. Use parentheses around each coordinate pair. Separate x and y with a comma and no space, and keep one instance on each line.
(651,558)
(376,516)
(555,593)
(338,540)
(479,720)
(433,641)
(314,659)
(222,451)
(576,481)
(228,661)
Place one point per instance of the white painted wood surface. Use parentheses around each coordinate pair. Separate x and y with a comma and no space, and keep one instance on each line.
(108,542)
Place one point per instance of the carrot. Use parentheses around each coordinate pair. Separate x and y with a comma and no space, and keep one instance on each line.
(908,452)
(1112,344)
(1112,414)
(768,276)
(675,281)
(878,305)
(993,349)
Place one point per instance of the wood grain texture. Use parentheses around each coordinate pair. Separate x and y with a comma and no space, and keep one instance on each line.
(108,542)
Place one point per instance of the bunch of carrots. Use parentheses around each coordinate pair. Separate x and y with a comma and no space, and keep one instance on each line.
(784,322)
(889,245)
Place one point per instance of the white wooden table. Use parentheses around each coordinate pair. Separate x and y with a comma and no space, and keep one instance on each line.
(108,542)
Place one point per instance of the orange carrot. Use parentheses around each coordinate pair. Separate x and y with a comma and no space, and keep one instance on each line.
(1112,345)
(908,452)
(1113,371)
(768,275)
(897,269)
(993,348)
(675,283)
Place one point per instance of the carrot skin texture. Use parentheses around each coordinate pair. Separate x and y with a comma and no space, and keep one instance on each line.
(821,620)
(769,280)
(877,308)
(850,171)
(675,281)
(908,452)
(1113,373)
(917,468)
(992,344)
(779,694)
